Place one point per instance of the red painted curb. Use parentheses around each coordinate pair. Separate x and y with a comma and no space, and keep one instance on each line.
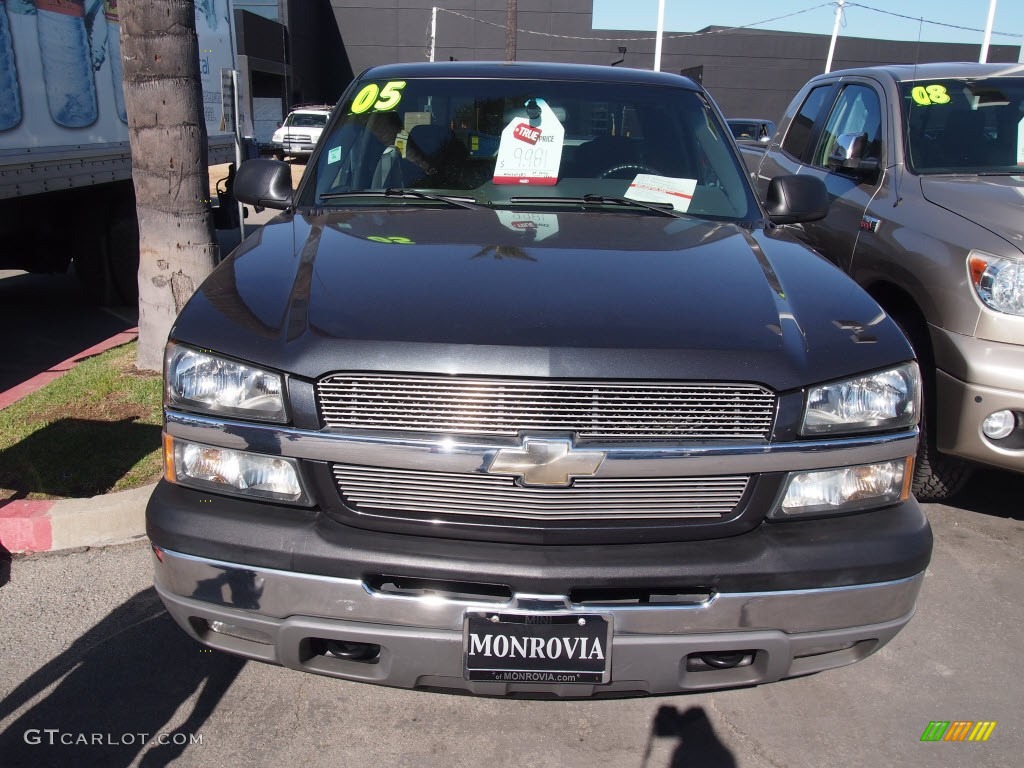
(25,526)
(40,380)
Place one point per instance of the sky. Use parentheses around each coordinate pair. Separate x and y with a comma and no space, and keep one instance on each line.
(859,20)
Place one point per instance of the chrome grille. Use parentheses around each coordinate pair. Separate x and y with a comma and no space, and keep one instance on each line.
(591,409)
(377,489)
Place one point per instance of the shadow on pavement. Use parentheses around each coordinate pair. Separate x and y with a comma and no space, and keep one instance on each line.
(993,492)
(76,458)
(120,685)
(698,745)
(5,565)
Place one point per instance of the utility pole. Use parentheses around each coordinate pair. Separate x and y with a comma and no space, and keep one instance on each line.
(988,32)
(433,31)
(510,30)
(658,35)
(835,34)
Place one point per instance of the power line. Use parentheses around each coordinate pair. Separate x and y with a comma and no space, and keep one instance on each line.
(717,31)
(1015,35)
(723,30)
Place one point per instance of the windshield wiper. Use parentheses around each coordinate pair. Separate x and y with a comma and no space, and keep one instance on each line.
(664,209)
(458,202)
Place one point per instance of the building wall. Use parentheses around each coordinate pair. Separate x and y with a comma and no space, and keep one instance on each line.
(317,51)
(748,72)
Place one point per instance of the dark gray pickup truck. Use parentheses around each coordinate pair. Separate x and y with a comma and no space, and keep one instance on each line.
(924,167)
(524,392)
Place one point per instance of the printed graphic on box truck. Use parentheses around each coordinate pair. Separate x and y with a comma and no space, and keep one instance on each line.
(73,48)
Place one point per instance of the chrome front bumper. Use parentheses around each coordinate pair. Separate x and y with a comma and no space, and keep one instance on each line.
(280,617)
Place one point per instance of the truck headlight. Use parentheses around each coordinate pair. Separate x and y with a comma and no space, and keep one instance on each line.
(201,381)
(225,470)
(846,489)
(889,399)
(998,282)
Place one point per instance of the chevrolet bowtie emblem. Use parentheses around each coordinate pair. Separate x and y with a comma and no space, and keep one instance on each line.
(546,462)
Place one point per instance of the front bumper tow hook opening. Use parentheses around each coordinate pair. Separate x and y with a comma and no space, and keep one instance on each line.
(727,660)
(342,649)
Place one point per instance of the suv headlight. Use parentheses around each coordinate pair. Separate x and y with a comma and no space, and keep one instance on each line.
(998,282)
(202,381)
(888,399)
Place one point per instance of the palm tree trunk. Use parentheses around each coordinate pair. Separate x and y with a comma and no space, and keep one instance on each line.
(167,130)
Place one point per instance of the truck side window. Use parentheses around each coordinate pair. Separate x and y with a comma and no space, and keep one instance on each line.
(857,110)
(803,122)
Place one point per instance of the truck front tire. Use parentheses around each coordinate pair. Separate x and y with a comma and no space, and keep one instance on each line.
(938,476)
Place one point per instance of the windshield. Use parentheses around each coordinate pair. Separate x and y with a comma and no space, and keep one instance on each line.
(300,120)
(504,143)
(965,126)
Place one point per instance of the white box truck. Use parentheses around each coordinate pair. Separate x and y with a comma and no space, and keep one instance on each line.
(66,194)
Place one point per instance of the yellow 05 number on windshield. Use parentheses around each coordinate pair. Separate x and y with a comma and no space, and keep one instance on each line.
(372,96)
(930,94)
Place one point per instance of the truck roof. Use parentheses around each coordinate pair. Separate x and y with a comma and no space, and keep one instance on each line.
(527,70)
(936,70)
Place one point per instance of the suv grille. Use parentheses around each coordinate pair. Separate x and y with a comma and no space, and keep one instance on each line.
(614,410)
(373,489)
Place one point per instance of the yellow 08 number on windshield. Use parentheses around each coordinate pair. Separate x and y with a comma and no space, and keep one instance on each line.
(930,94)
(389,97)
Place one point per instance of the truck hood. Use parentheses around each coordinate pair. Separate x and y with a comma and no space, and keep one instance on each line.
(583,294)
(994,202)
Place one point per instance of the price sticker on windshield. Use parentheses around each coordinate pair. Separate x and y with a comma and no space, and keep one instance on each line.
(530,151)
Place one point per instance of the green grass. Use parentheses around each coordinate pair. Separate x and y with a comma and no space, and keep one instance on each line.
(94,430)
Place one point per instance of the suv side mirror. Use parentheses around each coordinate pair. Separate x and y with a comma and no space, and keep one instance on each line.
(795,199)
(847,154)
(264,183)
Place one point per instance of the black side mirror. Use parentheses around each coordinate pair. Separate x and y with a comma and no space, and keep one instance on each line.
(847,156)
(795,199)
(264,183)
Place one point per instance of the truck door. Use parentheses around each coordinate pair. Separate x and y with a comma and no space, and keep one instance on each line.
(790,156)
(855,111)
(855,123)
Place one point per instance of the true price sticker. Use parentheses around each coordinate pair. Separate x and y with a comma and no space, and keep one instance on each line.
(531,149)
(526,132)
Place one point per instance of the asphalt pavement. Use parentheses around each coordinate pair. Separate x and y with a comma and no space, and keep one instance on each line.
(89,654)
